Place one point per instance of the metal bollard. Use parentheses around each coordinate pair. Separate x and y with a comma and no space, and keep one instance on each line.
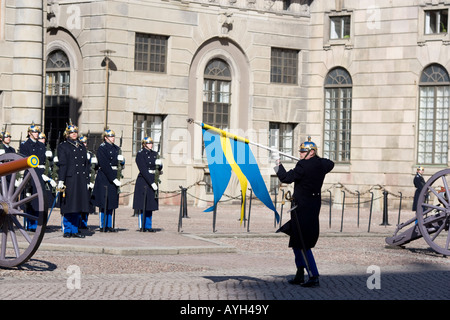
(385,209)
(343,204)
(370,213)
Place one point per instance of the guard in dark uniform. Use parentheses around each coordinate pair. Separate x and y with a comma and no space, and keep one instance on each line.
(73,181)
(5,147)
(33,147)
(93,167)
(303,228)
(106,188)
(419,182)
(145,199)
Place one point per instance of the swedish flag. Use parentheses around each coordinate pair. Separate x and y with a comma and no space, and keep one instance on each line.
(226,153)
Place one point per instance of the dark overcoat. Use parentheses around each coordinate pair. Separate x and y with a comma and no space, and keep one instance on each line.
(107,154)
(308,176)
(28,148)
(145,160)
(74,171)
(419,182)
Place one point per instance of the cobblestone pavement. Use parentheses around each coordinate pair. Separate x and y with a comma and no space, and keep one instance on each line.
(231,263)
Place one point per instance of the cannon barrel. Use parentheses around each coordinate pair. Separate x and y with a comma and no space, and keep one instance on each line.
(9,167)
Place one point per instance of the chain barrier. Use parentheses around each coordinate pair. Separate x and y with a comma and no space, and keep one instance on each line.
(330,201)
(378,187)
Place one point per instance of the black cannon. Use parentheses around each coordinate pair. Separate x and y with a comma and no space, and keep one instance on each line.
(16,244)
(432,216)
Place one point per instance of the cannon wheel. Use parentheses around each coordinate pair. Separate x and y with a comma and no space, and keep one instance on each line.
(433,212)
(16,244)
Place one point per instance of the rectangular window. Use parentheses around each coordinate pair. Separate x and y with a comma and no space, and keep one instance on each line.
(150,53)
(340,27)
(281,137)
(216,103)
(436,21)
(284,66)
(145,125)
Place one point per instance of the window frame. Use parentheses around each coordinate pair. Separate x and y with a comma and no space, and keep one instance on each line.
(428,27)
(343,35)
(433,78)
(284,66)
(156,46)
(338,90)
(148,129)
(281,137)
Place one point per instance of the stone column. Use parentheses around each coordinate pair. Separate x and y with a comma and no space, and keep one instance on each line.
(26,95)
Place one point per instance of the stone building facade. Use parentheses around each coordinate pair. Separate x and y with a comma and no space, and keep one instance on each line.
(367,80)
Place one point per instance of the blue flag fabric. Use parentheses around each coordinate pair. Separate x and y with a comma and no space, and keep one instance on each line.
(219,169)
(251,171)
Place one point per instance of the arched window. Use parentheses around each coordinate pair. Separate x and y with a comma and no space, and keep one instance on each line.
(434,90)
(57,94)
(217,94)
(338,115)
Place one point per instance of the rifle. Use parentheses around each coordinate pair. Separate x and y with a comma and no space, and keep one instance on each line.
(119,163)
(157,171)
(19,174)
(47,147)
(55,159)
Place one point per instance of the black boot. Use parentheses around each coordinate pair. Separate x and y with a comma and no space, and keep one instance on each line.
(312,282)
(299,277)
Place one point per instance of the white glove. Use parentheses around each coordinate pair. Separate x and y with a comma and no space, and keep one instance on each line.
(117,182)
(52,183)
(18,182)
(120,157)
(55,159)
(48,154)
(91,185)
(154,186)
(60,184)
(158,162)
(45,178)
(94,160)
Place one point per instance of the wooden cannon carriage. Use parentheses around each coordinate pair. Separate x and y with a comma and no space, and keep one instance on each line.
(432,216)
(16,244)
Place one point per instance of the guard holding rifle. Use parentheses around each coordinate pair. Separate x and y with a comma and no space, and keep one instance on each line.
(303,228)
(73,181)
(33,147)
(93,166)
(145,199)
(106,188)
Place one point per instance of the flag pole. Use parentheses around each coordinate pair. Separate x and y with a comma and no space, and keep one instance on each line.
(236,137)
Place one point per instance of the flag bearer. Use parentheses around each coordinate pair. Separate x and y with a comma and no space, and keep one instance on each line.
(303,228)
